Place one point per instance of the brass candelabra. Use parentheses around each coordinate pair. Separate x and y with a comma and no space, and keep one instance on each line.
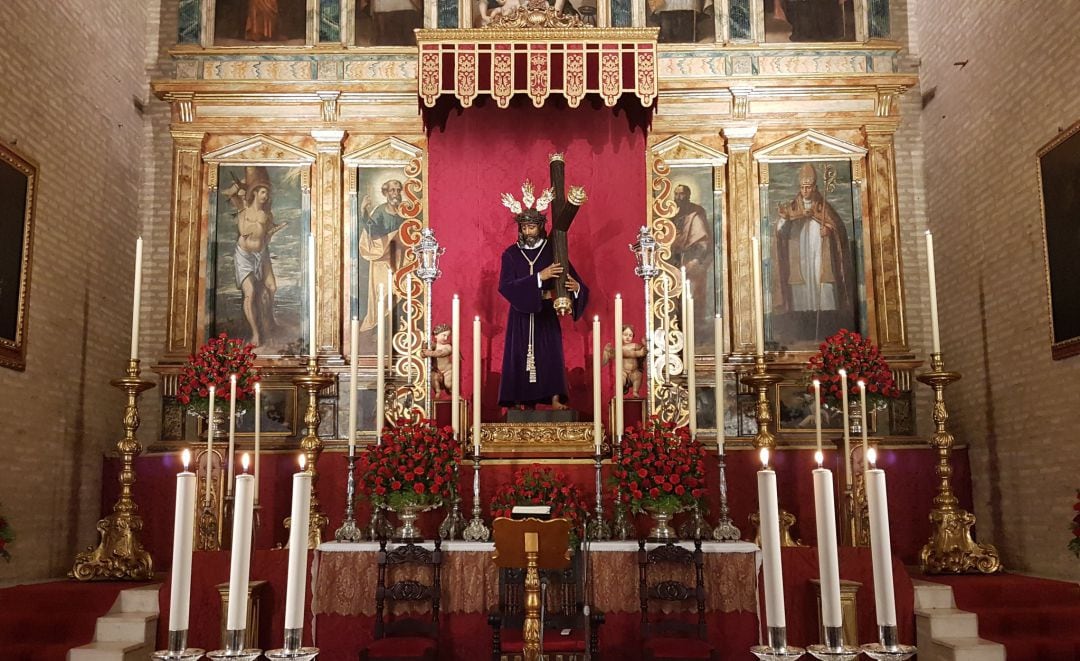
(950,550)
(312,381)
(762,381)
(119,554)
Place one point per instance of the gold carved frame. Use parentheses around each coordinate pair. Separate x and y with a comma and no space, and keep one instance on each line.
(13,347)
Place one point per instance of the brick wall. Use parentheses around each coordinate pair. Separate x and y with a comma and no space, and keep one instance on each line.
(1004,81)
(69,75)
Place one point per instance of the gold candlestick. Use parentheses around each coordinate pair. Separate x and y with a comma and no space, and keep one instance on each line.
(312,381)
(950,550)
(119,554)
(761,380)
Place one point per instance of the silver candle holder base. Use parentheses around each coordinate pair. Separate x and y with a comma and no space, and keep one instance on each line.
(349,532)
(378,527)
(834,649)
(178,649)
(234,648)
(695,527)
(477,530)
(777,649)
(890,648)
(597,529)
(725,530)
(292,649)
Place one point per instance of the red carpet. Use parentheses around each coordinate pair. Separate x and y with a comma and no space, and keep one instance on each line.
(41,622)
(1036,619)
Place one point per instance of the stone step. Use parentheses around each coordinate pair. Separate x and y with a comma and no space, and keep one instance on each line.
(933,595)
(965,649)
(117,627)
(142,599)
(946,623)
(111,651)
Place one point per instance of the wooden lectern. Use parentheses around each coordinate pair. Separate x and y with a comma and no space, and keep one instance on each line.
(533,545)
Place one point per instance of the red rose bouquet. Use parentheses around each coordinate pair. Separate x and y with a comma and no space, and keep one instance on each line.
(860,357)
(7,536)
(661,468)
(212,365)
(1074,543)
(538,485)
(413,465)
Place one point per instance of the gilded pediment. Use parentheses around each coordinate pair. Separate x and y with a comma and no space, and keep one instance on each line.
(809,145)
(391,151)
(260,150)
(682,150)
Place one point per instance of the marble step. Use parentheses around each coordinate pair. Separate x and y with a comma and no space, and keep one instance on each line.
(964,649)
(946,633)
(112,651)
(116,627)
(127,632)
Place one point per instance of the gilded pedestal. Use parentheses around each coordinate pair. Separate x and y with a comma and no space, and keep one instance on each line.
(762,381)
(951,550)
(120,555)
(312,381)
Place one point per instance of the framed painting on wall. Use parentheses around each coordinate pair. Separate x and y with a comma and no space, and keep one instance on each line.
(277,413)
(259,22)
(1059,175)
(18,185)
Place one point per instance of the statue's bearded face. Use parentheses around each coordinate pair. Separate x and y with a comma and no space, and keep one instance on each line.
(530,234)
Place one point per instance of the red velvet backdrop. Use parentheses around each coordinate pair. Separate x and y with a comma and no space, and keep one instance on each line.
(485,152)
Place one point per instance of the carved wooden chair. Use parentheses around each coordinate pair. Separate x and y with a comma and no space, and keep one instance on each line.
(406,637)
(677,633)
(568,631)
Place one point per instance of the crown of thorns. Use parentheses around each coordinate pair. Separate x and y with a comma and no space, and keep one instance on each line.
(529,201)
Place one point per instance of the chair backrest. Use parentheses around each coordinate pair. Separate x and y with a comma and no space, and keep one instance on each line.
(671,589)
(563,604)
(405,590)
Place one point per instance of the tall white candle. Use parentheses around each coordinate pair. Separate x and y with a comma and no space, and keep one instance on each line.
(241,550)
(828,560)
(817,413)
(476,385)
(880,544)
(183,536)
(759,303)
(718,343)
(312,346)
(232,429)
(455,367)
(685,312)
(137,301)
(258,433)
(598,430)
(296,586)
(691,357)
(769,517)
(847,429)
(620,377)
(354,364)
(931,273)
(380,367)
(862,404)
(209,445)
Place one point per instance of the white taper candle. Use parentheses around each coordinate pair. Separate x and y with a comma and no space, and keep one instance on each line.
(620,375)
(209,445)
(718,343)
(455,366)
(769,517)
(880,545)
(691,357)
(312,346)
(828,560)
(862,404)
(354,365)
(244,496)
(476,385)
(232,429)
(296,585)
(847,428)
(817,412)
(931,273)
(258,433)
(380,366)
(183,536)
(137,300)
(598,430)
(759,302)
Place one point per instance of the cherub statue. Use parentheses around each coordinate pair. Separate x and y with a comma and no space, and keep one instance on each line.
(443,374)
(633,358)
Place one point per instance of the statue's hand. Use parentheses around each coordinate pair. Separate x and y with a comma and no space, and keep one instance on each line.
(572,285)
(552,271)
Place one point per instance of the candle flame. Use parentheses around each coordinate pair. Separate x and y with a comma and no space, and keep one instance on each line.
(871,456)
(817,383)
(212,389)
(258,387)
(764,454)
(245,461)
(455,297)
(618,295)
(819,457)
(303,461)
(232,377)
(476,318)
(596,318)
(185,458)
(929,233)
(862,384)
(842,371)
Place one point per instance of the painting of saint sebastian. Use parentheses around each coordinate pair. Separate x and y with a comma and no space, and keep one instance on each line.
(533,370)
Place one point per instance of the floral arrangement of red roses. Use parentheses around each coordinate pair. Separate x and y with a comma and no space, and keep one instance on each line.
(539,485)
(7,536)
(861,358)
(212,365)
(412,465)
(661,467)
(1074,543)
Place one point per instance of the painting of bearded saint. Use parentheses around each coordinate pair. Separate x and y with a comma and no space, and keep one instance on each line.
(694,247)
(379,248)
(811,243)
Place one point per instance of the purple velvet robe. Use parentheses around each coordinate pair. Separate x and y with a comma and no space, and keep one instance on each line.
(520,288)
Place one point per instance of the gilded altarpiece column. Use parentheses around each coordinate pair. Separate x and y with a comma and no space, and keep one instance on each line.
(182,319)
(327,225)
(742,202)
(885,239)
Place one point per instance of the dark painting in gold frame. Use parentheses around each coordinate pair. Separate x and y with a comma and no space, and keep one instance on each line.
(1059,178)
(18,184)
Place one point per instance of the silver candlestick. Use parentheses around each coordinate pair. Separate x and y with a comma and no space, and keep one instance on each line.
(890,648)
(695,527)
(834,649)
(620,523)
(292,649)
(233,640)
(348,532)
(477,530)
(454,524)
(725,530)
(178,649)
(777,649)
(598,529)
